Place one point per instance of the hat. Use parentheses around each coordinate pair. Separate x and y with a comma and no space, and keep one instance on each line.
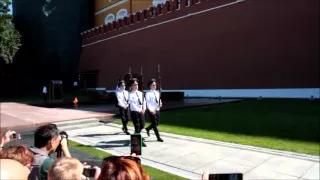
(152,81)
(121,82)
(134,81)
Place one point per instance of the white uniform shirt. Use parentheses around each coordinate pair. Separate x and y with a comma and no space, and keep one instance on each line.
(134,101)
(152,98)
(75,84)
(123,97)
(44,90)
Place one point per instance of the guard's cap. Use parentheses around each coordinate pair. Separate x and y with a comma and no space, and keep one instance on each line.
(134,81)
(121,83)
(152,81)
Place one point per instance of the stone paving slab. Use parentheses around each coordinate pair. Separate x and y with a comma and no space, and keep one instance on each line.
(195,157)
(14,115)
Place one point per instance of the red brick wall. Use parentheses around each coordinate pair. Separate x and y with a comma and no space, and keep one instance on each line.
(253,44)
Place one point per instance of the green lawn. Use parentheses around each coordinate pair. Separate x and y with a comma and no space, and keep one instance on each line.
(284,124)
(153,172)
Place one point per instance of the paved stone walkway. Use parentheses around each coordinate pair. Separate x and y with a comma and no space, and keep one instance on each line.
(19,115)
(189,157)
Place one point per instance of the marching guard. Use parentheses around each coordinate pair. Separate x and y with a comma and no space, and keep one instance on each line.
(137,107)
(123,105)
(153,104)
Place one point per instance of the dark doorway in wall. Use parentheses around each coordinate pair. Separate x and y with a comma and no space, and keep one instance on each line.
(88,79)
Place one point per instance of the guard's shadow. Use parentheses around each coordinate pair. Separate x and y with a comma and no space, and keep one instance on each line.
(112,144)
(150,140)
(93,135)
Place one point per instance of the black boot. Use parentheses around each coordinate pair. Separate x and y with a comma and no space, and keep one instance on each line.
(125,130)
(157,134)
(144,144)
(148,129)
(148,133)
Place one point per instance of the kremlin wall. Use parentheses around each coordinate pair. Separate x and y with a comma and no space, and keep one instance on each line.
(211,48)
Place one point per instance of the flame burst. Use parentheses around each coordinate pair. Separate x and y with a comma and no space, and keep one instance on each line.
(75,102)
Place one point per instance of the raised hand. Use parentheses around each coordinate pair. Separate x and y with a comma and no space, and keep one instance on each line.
(7,138)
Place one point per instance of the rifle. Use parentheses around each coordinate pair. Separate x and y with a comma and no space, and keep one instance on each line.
(142,86)
(127,78)
(141,73)
(160,83)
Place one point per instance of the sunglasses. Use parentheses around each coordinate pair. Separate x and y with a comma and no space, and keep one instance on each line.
(112,158)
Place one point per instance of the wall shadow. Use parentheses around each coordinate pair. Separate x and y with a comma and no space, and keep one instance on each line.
(111,144)
(95,135)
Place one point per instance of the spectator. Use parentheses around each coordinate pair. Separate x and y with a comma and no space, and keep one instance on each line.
(75,85)
(46,140)
(44,93)
(122,168)
(6,138)
(11,169)
(68,168)
(18,153)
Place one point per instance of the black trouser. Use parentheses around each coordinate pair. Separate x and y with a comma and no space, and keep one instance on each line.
(138,121)
(155,120)
(44,97)
(124,114)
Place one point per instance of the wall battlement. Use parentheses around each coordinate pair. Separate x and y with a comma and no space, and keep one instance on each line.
(163,12)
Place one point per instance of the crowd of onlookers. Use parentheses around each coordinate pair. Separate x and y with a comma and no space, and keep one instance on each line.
(34,163)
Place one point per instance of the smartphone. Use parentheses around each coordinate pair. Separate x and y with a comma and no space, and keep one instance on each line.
(136,144)
(89,172)
(230,176)
(16,136)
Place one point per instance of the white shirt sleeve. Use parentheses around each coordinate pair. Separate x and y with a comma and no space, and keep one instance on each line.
(147,101)
(120,99)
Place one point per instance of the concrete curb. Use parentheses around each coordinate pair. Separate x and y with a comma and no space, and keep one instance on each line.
(233,145)
(160,166)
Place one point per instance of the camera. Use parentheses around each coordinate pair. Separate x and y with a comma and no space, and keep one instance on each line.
(63,135)
(230,176)
(136,144)
(89,172)
(16,136)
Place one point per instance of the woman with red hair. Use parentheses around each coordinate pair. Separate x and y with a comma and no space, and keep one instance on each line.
(21,154)
(122,168)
